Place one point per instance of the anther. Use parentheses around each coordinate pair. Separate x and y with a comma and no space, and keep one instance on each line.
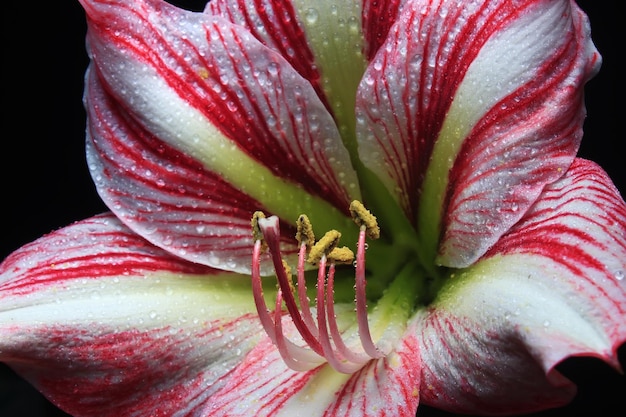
(304,233)
(257,233)
(324,246)
(363,218)
(341,255)
(289,275)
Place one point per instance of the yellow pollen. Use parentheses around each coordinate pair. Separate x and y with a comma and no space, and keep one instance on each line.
(304,232)
(203,73)
(287,269)
(341,255)
(324,246)
(363,218)
(257,234)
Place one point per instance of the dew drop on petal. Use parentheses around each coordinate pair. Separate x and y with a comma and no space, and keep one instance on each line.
(619,275)
(311,15)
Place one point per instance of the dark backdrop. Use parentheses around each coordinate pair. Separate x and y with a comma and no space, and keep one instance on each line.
(46,185)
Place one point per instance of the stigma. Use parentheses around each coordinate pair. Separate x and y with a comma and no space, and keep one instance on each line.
(321,339)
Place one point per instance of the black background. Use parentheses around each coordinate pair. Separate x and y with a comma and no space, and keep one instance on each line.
(46,185)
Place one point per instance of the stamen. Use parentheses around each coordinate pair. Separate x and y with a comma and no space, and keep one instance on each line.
(341,255)
(324,246)
(271,235)
(257,234)
(322,336)
(342,349)
(363,217)
(302,292)
(329,353)
(289,276)
(257,292)
(296,356)
(361,299)
(304,233)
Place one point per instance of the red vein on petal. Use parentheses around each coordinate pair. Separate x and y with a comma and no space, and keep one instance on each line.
(204,90)
(377,16)
(120,253)
(285,34)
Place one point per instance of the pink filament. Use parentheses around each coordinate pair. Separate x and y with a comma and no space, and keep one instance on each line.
(322,339)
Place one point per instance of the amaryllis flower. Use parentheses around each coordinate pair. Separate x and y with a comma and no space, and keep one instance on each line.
(327,208)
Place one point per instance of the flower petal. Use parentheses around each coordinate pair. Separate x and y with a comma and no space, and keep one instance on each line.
(264,386)
(172,92)
(173,201)
(105,324)
(327,42)
(552,288)
(469,109)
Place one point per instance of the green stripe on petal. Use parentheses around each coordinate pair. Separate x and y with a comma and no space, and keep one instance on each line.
(233,105)
(538,55)
(335,35)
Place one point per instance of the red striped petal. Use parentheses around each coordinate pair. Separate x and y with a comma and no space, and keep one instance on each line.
(468,110)
(278,25)
(327,42)
(377,18)
(578,227)
(264,386)
(551,288)
(105,324)
(195,125)
(165,195)
(472,366)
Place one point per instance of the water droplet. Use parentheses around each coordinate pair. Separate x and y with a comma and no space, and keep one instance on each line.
(272,68)
(153,314)
(311,15)
(231,105)
(619,275)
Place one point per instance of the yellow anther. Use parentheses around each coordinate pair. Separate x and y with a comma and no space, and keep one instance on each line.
(287,269)
(257,234)
(363,218)
(341,255)
(324,246)
(304,232)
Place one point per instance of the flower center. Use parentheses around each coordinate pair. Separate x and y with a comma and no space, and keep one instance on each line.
(319,330)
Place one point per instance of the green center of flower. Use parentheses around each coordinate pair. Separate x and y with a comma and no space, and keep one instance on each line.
(322,333)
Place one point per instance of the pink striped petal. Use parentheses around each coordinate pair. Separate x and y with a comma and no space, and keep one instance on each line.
(165,195)
(470,109)
(552,288)
(264,386)
(327,42)
(195,125)
(377,18)
(105,324)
